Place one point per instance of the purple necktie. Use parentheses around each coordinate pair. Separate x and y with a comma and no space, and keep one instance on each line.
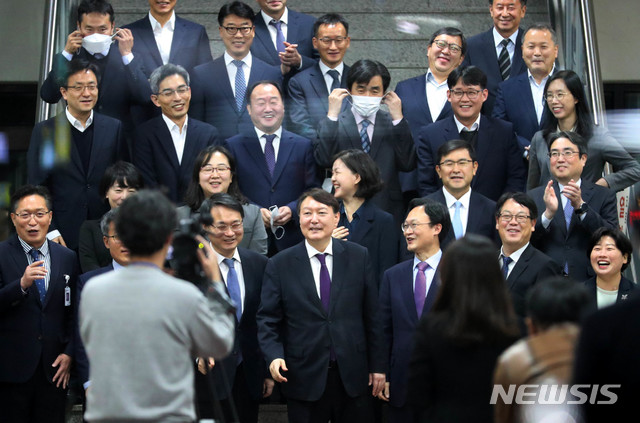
(325,282)
(420,292)
(270,153)
(279,35)
(42,290)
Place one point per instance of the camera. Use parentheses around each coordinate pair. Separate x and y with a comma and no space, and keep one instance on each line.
(183,257)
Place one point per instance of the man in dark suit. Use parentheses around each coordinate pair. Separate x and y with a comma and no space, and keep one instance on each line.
(520,100)
(318,321)
(386,136)
(240,380)
(488,51)
(219,87)
(309,90)
(122,82)
(92,143)
(469,211)
(570,208)
(500,167)
(274,165)
(283,37)
(37,289)
(522,264)
(166,146)
(407,293)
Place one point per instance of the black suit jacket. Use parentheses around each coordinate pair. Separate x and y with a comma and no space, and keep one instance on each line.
(391,148)
(293,325)
(74,193)
(570,246)
(625,288)
(212,99)
(499,157)
(481,218)
(34,334)
(91,249)
(154,154)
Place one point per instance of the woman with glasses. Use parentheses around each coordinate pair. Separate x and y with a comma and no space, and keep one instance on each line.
(565,104)
(214,171)
(119,181)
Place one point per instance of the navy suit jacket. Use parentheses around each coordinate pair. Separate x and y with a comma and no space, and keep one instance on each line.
(299,31)
(514,103)
(570,246)
(481,52)
(500,167)
(309,100)
(295,172)
(399,321)
(293,325)
(391,148)
(625,288)
(212,99)
(34,334)
(481,218)
(154,154)
(74,193)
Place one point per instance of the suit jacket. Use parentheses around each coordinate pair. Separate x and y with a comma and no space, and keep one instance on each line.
(499,156)
(399,321)
(481,52)
(625,288)
(309,100)
(391,148)
(91,249)
(212,99)
(293,325)
(295,172)
(34,333)
(481,218)
(570,246)
(74,193)
(299,31)
(154,154)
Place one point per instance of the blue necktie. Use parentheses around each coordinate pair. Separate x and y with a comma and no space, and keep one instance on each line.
(42,290)
(505,266)
(568,212)
(279,35)
(456,222)
(336,79)
(364,137)
(241,85)
(270,152)
(233,286)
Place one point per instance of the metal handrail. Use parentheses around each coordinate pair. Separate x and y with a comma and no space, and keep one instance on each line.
(43,109)
(594,76)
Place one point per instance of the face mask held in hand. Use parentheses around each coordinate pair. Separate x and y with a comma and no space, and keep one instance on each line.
(97,43)
(366,106)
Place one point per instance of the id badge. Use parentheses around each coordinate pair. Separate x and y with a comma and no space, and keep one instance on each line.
(67,292)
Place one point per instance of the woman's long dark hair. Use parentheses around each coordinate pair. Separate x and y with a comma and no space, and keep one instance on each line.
(584,123)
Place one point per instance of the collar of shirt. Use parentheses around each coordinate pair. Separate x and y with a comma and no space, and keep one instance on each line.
(220,257)
(343,214)
(116,265)
(542,83)
(173,127)
(311,252)
(169,26)
(359,118)
(497,39)
(432,261)
(284,18)
(76,123)
(247,60)
(430,79)
(44,248)
(450,199)
(474,127)
(515,256)
(324,68)
(276,140)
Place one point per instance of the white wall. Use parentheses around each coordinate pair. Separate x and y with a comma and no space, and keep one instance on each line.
(21,28)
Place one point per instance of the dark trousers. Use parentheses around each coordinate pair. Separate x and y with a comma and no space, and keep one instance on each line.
(35,401)
(404,414)
(334,405)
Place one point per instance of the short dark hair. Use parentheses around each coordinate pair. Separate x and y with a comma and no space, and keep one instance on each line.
(575,139)
(237,8)
(521,198)
(622,242)
(321,196)
(542,26)
(330,19)
(453,145)
(95,6)
(221,199)
(26,191)
(124,174)
(106,220)
(437,212)
(357,161)
(522,2)
(362,71)
(557,300)
(165,71)
(145,222)
(470,75)
(264,82)
(452,32)
(77,65)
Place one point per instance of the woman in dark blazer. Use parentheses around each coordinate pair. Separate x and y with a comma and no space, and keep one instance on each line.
(356,179)
(457,343)
(610,252)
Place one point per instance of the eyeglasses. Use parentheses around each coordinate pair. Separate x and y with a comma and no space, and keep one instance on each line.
(413,225)
(471,94)
(460,163)
(223,227)
(559,95)
(453,48)
(181,90)
(327,41)
(81,88)
(520,217)
(26,216)
(233,30)
(115,238)
(567,154)
(208,170)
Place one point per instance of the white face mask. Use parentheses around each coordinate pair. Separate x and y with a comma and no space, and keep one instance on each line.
(97,43)
(366,106)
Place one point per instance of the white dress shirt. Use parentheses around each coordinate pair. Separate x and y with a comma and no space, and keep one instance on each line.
(163,35)
(177,136)
(273,32)
(315,263)
(511,47)
(237,265)
(464,209)
(328,80)
(76,123)
(232,69)
(537,92)
(474,126)
(436,95)
(276,140)
(433,262)
(515,256)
